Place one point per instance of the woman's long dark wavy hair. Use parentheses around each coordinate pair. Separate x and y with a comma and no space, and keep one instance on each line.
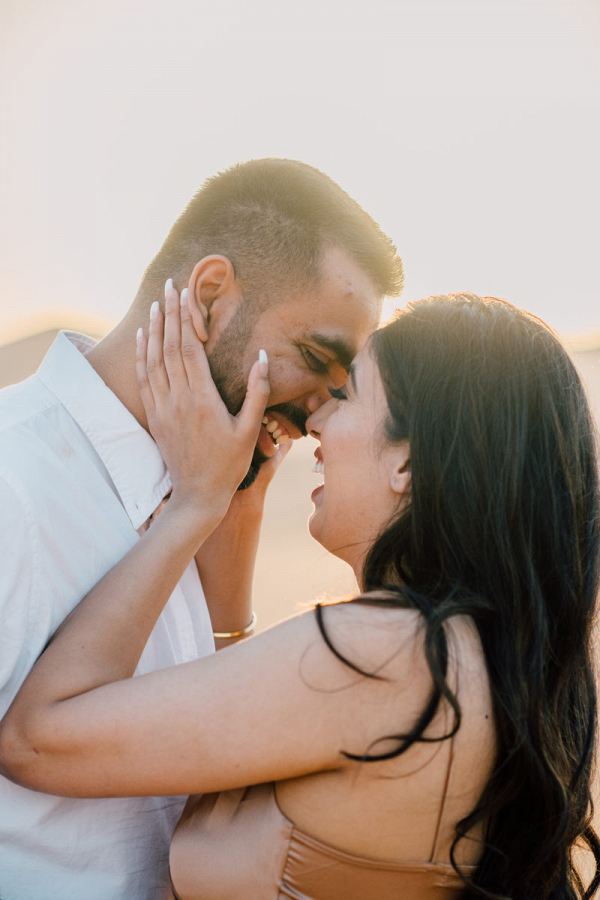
(502,526)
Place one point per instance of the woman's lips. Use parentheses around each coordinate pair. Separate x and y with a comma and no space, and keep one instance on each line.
(319,469)
(317,492)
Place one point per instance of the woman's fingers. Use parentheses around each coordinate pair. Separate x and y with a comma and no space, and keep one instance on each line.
(155,360)
(144,388)
(192,350)
(172,340)
(257,396)
(199,315)
(186,414)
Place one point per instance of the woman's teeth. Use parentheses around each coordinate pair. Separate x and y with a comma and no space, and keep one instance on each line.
(318,467)
(277,432)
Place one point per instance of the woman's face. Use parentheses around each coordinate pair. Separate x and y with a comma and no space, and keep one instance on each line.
(365,475)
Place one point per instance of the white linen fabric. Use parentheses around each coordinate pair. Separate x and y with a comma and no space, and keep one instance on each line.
(79,477)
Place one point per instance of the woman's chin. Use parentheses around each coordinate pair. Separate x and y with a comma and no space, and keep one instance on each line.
(317,530)
(323,536)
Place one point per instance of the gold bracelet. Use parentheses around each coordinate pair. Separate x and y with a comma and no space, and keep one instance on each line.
(225,635)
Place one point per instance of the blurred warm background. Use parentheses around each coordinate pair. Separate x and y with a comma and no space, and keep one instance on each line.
(470,129)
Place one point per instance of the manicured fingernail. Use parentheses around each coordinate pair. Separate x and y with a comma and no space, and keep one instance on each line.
(263,360)
(184,296)
(154,311)
(140,334)
(168,285)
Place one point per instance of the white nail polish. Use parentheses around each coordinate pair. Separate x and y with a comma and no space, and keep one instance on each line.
(154,310)
(184,297)
(140,334)
(262,356)
(168,285)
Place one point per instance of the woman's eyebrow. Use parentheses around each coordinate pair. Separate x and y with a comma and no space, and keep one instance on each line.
(343,351)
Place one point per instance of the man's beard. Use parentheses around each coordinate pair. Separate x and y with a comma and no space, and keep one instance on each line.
(228,375)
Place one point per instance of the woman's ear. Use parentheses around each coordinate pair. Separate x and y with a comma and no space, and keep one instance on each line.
(213,295)
(400,475)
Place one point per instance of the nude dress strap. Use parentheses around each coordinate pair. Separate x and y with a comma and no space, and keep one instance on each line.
(434,849)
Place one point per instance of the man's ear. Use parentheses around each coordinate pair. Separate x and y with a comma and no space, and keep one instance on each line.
(213,296)
(400,475)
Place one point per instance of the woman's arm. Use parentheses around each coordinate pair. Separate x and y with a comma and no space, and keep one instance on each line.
(274,707)
(226,559)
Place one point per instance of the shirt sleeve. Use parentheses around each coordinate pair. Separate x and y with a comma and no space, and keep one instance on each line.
(18,587)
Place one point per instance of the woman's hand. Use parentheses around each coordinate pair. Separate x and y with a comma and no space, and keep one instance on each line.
(206,449)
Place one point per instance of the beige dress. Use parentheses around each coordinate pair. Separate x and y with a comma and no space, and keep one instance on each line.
(238,845)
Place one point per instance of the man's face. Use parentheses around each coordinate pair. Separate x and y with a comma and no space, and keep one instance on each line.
(310,340)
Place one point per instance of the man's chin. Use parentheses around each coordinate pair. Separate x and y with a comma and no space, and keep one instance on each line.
(250,477)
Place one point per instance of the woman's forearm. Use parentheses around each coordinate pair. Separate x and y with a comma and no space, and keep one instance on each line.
(226,566)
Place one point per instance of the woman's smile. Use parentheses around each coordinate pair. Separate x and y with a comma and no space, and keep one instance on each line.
(360,460)
(319,469)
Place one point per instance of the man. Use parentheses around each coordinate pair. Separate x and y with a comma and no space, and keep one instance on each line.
(273,255)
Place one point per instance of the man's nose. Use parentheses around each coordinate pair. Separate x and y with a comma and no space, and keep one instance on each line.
(317,399)
(314,423)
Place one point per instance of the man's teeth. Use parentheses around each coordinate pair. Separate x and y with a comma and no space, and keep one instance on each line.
(276,430)
(318,467)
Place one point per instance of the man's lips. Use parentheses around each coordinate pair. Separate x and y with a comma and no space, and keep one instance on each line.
(283,424)
(265,443)
(275,430)
(291,416)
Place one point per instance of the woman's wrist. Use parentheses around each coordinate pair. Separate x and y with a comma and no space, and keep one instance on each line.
(196,512)
(238,633)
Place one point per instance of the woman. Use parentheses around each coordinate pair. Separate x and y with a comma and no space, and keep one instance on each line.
(431,739)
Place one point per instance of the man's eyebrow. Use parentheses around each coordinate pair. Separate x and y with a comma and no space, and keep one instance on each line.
(343,351)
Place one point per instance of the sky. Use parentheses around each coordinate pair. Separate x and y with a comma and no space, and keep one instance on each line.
(470,129)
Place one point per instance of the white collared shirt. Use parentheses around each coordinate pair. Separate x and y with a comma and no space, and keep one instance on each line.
(79,477)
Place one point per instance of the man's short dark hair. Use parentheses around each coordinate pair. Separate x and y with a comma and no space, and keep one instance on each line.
(273,218)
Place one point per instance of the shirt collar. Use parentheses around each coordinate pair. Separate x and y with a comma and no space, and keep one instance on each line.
(130,455)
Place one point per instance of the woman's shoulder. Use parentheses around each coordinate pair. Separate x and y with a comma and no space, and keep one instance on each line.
(378,631)
(377,648)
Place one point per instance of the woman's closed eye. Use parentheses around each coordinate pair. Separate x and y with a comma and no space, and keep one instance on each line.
(338,393)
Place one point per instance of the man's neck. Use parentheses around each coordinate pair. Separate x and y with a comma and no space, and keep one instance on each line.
(113,358)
